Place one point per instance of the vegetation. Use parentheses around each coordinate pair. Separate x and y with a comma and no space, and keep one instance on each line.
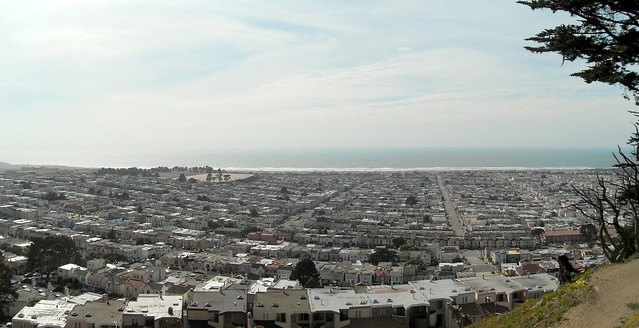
(606,39)
(251,229)
(419,263)
(7,291)
(306,273)
(589,231)
(48,253)
(537,232)
(398,242)
(382,255)
(614,202)
(408,247)
(131,171)
(411,200)
(544,312)
(52,195)
(108,257)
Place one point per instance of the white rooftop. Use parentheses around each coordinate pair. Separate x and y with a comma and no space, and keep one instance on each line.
(156,306)
(46,313)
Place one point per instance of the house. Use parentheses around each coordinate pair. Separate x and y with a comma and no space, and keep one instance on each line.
(286,309)
(45,313)
(217,308)
(68,271)
(96,281)
(563,236)
(531,268)
(97,315)
(155,311)
(133,288)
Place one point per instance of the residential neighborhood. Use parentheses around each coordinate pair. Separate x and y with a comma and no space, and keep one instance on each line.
(183,248)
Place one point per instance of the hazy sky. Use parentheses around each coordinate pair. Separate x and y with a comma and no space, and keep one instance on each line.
(85,80)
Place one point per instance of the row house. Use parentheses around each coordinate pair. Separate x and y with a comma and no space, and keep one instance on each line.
(427,303)
(217,308)
(155,311)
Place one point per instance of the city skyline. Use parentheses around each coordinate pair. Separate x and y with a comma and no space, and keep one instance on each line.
(84,82)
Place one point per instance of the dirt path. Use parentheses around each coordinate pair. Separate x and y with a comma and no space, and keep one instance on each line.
(614,290)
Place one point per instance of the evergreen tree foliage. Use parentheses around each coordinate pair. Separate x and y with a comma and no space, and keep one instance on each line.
(606,36)
(306,273)
(48,253)
(7,292)
(382,255)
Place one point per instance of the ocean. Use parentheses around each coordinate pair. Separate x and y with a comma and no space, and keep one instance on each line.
(391,159)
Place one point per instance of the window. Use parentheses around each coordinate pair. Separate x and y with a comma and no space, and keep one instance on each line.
(500,298)
(303,317)
(399,311)
(329,317)
(214,316)
(343,315)
(281,317)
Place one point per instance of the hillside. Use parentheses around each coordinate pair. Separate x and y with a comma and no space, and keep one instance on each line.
(607,297)
(6,166)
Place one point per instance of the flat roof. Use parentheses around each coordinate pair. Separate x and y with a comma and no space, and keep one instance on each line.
(156,306)
(49,313)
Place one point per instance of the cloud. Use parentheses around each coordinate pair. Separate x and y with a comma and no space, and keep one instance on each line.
(81,76)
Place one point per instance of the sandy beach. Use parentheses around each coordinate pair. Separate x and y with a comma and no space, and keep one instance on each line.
(202,176)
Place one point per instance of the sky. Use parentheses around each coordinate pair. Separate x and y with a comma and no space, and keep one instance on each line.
(86,81)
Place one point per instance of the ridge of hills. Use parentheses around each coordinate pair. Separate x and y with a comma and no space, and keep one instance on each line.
(607,296)
(4,166)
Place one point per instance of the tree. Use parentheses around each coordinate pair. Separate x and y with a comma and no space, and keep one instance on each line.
(589,231)
(48,253)
(537,232)
(399,241)
(306,273)
(614,201)
(606,38)
(112,236)
(382,255)
(415,261)
(52,195)
(411,200)
(182,178)
(250,229)
(408,247)
(7,291)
